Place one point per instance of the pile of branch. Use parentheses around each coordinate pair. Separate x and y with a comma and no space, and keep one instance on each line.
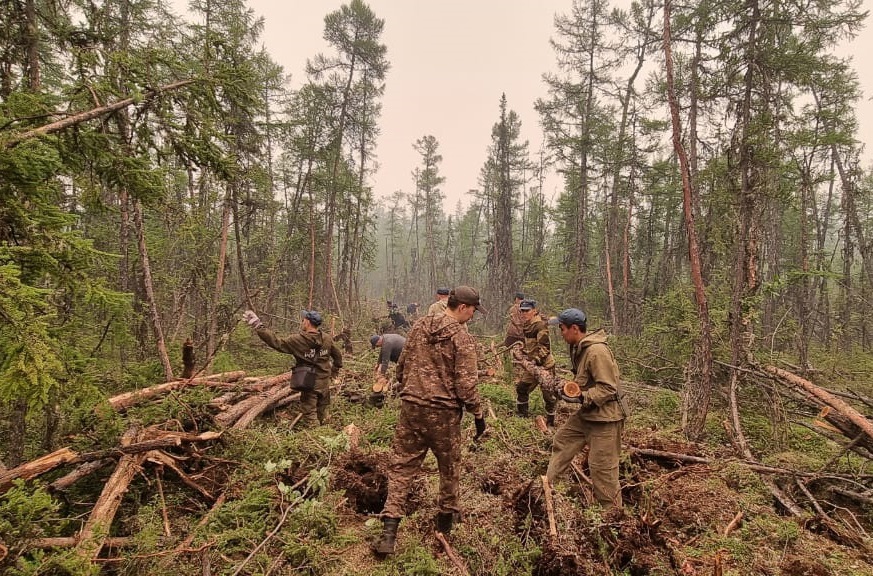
(239,401)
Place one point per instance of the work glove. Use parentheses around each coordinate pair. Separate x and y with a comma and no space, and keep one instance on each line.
(252,320)
(480,427)
(573,399)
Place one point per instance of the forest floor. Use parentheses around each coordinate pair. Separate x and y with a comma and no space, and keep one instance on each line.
(271,499)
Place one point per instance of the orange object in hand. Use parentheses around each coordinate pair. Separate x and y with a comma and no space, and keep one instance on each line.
(572,389)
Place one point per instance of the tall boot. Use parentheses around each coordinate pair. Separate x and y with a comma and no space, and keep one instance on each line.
(550,420)
(385,544)
(444,522)
(521,409)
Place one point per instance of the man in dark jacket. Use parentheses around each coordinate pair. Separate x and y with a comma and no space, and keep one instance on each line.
(391,345)
(600,418)
(438,371)
(309,346)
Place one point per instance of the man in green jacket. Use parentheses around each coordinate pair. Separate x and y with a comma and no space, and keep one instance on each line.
(600,418)
(309,346)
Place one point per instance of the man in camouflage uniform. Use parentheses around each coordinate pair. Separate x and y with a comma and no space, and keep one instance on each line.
(439,306)
(537,349)
(515,326)
(600,418)
(309,346)
(438,371)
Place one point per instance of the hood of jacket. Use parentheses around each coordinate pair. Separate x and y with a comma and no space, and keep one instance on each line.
(440,328)
(597,337)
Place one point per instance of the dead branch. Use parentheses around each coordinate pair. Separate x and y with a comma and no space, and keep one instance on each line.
(450,552)
(92,535)
(165,459)
(34,468)
(92,114)
(80,472)
(203,521)
(732,525)
(263,542)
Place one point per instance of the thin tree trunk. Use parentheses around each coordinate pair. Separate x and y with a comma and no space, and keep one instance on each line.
(150,292)
(698,375)
(219,278)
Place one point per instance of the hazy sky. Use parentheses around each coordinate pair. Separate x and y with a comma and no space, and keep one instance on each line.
(450,62)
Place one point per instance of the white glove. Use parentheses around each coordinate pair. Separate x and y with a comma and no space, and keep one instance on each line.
(252,319)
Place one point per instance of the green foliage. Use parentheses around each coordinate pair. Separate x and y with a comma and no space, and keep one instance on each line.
(25,513)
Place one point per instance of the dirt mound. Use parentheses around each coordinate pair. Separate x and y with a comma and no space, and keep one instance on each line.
(364,481)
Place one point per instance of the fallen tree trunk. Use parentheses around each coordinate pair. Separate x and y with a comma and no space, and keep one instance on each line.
(124,401)
(827,398)
(267,402)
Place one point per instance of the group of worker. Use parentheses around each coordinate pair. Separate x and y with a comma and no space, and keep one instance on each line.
(437,372)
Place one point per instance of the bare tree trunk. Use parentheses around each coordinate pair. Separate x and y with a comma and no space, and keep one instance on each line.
(219,278)
(698,375)
(150,292)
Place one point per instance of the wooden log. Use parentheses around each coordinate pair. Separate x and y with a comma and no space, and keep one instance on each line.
(267,403)
(827,398)
(541,425)
(354,435)
(550,506)
(70,541)
(124,401)
(92,535)
(34,468)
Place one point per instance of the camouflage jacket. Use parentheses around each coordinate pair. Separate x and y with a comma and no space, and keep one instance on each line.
(308,347)
(598,377)
(438,366)
(515,326)
(438,307)
(537,345)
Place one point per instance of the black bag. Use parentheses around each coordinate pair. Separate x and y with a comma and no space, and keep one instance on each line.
(303,377)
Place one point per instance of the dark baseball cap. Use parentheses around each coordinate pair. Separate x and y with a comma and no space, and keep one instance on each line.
(374,340)
(519,295)
(443,291)
(569,317)
(528,304)
(313,316)
(469,296)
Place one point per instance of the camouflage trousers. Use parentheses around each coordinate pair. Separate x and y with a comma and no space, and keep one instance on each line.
(527,384)
(604,440)
(315,403)
(420,429)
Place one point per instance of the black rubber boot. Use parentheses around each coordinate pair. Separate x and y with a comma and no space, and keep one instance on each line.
(385,544)
(444,522)
(550,420)
(521,410)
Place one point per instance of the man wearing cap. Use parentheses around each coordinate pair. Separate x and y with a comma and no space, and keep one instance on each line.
(600,418)
(438,371)
(391,346)
(538,349)
(515,326)
(439,306)
(309,346)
